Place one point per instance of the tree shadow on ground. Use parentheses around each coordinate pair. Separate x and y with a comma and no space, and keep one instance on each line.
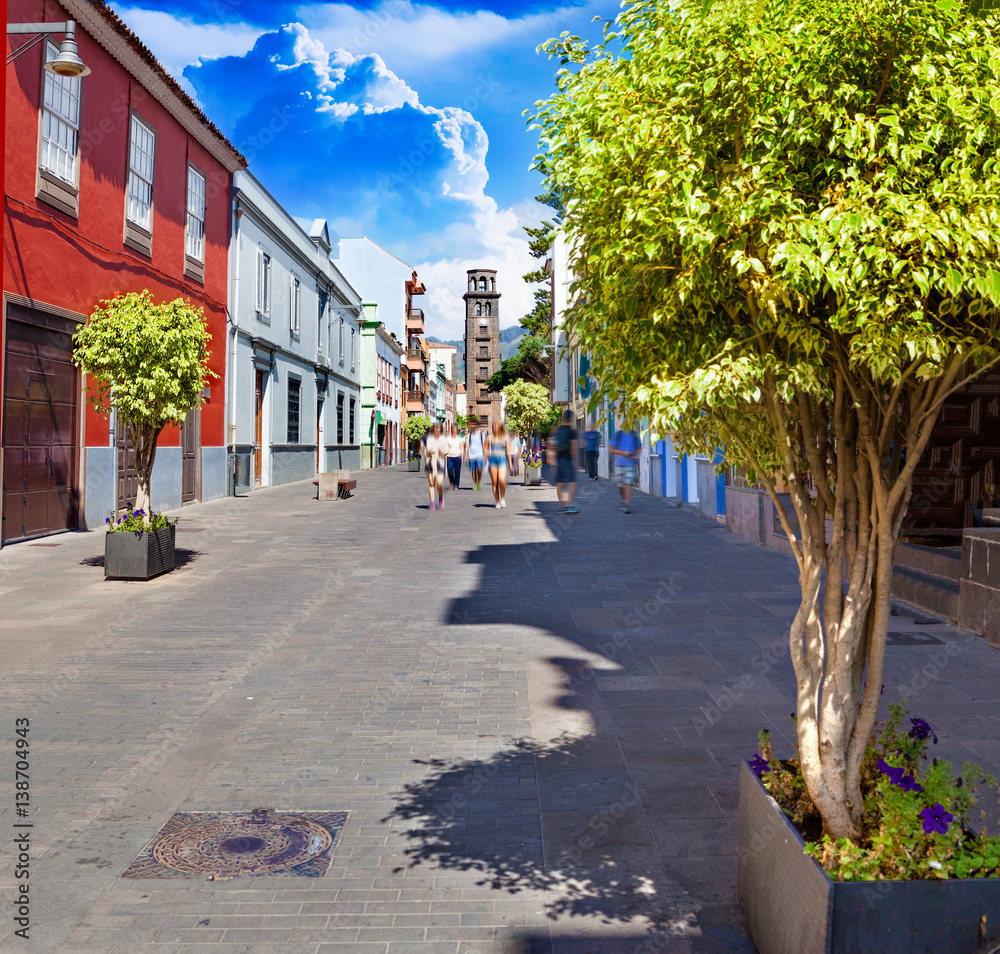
(486,816)
(182,557)
(616,829)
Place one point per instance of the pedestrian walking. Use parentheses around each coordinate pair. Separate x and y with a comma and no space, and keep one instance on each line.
(562,453)
(625,453)
(435,453)
(456,446)
(498,451)
(591,450)
(515,454)
(475,449)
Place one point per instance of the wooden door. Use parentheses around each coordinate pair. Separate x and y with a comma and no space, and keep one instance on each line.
(258,426)
(39,434)
(190,452)
(127,478)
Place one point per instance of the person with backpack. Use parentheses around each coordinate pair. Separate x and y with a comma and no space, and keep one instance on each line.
(475,451)
(625,451)
(563,454)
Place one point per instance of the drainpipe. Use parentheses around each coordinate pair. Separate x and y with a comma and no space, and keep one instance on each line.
(231,409)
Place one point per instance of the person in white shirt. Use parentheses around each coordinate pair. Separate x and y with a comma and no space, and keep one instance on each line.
(456,449)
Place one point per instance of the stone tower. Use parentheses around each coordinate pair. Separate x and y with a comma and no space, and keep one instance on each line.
(482,343)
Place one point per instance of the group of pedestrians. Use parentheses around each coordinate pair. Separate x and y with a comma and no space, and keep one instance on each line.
(445,454)
(563,449)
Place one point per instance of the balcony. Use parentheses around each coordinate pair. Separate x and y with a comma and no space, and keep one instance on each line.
(414,396)
(415,321)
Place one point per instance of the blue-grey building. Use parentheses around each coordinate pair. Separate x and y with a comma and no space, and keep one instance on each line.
(293,371)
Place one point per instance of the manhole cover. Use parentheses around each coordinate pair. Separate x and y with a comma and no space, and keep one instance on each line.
(231,845)
(912,639)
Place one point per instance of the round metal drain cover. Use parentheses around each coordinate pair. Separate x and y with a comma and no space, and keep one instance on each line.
(242,844)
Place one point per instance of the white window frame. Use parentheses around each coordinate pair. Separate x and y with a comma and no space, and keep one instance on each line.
(341,339)
(262,298)
(352,348)
(196,205)
(294,306)
(137,180)
(60,109)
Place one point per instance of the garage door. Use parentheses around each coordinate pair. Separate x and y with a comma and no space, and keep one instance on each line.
(39,426)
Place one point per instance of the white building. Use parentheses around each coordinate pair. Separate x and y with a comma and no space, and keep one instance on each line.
(292,388)
(381,391)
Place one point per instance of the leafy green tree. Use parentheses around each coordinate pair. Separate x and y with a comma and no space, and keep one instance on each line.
(527,406)
(514,368)
(786,227)
(415,426)
(150,362)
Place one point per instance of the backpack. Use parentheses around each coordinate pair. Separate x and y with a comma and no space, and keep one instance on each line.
(562,439)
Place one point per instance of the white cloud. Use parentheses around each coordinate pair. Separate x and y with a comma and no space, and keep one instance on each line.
(178,42)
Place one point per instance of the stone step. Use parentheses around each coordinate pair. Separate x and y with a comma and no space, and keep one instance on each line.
(927,591)
(937,561)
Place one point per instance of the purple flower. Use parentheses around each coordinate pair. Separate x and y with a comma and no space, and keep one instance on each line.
(895,774)
(936,819)
(921,730)
(909,784)
(760,766)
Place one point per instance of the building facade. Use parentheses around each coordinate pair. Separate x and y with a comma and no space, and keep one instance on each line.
(393,285)
(381,366)
(482,343)
(114,182)
(293,385)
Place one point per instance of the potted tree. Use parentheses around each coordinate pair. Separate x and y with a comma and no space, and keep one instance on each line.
(528,409)
(414,428)
(150,362)
(783,244)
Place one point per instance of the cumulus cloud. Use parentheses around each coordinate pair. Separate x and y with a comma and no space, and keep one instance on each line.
(338,135)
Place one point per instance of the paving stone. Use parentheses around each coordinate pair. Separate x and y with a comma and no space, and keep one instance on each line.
(534,721)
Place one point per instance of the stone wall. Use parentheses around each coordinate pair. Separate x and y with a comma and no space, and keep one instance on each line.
(979,593)
(292,462)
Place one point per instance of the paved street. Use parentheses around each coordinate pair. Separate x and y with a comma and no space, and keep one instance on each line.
(534,721)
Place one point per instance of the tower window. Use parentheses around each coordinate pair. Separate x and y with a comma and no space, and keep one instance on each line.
(493,284)
(479,307)
(488,309)
(482,284)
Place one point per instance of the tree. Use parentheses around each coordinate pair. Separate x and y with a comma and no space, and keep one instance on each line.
(785,225)
(150,362)
(415,426)
(515,368)
(528,406)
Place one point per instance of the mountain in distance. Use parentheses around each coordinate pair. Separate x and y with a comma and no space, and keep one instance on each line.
(509,338)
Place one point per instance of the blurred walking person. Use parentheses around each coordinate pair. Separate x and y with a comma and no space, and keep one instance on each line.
(625,453)
(498,451)
(562,452)
(435,456)
(456,447)
(515,443)
(591,450)
(475,449)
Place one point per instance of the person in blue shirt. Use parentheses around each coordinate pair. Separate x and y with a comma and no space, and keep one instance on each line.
(625,452)
(591,449)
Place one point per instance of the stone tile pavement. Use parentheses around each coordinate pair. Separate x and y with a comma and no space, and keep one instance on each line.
(534,719)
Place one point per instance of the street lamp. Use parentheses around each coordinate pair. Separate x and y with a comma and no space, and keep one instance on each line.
(67,61)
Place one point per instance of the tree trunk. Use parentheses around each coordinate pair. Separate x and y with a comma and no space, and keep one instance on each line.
(144,441)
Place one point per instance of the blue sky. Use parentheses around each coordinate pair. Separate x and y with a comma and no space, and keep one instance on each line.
(395,120)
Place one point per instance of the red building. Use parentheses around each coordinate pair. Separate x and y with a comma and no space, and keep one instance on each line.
(114,182)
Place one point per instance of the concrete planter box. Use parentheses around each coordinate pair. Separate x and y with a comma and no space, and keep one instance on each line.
(532,476)
(413,466)
(129,556)
(791,905)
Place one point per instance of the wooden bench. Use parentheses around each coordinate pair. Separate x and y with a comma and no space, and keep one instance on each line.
(336,485)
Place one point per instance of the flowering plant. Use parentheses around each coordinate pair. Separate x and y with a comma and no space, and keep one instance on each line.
(138,521)
(413,455)
(916,812)
(531,458)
